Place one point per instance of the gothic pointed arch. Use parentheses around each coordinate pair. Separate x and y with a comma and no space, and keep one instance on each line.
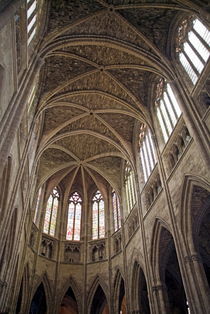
(193,211)
(100,287)
(166,270)
(119,293)
(22,300)
(72,289)
(139,292)
(39,301)
(155,242)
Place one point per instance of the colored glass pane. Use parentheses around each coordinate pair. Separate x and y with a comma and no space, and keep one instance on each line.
(74,217)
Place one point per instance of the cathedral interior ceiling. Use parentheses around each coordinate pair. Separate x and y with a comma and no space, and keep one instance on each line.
(101,61)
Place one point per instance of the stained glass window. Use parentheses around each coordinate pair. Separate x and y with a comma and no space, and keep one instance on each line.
(116,211)
(168,111)
(51,212)
(98,217)
(129,187)
(74,217)
(37,205)
(193,42)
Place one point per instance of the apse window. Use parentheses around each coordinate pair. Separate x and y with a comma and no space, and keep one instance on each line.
(74,217)
(98,216)
(38,201)
(116,211)
(51,212)
(168,111)
(147,151)
(129,188)
(31,19)
(193,47)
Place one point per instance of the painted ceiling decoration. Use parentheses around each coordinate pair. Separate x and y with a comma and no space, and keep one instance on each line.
(102,60)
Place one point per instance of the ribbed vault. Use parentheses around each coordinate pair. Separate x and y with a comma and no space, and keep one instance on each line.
(101,61)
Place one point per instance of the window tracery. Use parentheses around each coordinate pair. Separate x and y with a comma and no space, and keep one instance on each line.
(98,216)
(129,187)
(147,151)
(193,42)
(167,107)
(51,213)
(74,217)
(116,211)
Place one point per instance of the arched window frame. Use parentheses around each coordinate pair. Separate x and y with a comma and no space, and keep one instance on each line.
(147,151)
(129,187)
(74,217)
(98,216)
(167,108)
(192,46)
(51,212)
(116,211)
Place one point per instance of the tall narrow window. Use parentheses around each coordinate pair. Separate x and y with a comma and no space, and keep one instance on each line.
(147,151)
(98,217)
(168,111)
(74,217)
(37,205)
(116,211)
(51,212)
(129,187)
(31,19)
(193,42)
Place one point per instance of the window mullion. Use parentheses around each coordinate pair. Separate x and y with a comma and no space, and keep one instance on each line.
(144,164)
(172,105)
(191,64)
(74,221)
(200,38)
(164,121)
(196,52)
(168,115)
(51,210)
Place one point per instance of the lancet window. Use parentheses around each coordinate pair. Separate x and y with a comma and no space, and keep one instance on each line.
(129,188)
(193,42)
(98,216)
(74,217)
(116,211)
(51,212)
(168,111)
(147,151)
(31,19)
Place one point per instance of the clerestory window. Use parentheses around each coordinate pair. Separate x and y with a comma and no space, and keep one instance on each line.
(31,19)
(74,217)
(147,151)
(129,187)
(98,216)
(193,42)
(116,211)
(51,213)
(168,111)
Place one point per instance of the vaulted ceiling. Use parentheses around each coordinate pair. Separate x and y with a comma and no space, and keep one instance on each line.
(102,59)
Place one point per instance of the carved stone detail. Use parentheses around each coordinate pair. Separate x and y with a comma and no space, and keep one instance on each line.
(72,253)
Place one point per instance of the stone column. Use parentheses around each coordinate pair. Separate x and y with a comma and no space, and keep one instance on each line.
(160,296)
(200,292)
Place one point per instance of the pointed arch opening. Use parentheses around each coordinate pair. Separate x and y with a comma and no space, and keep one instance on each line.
(99,303)
(140,300)
(170,275)
(39,303)
(69,303)
(200,215)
